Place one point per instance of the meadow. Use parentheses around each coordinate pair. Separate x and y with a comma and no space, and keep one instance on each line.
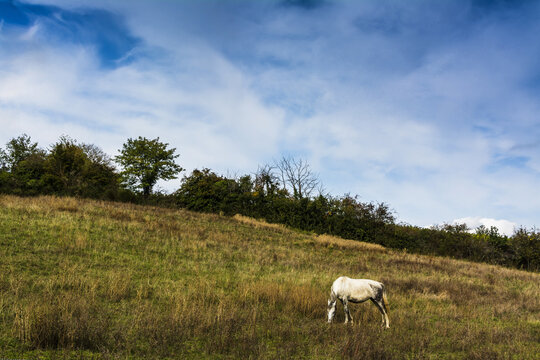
(102,280)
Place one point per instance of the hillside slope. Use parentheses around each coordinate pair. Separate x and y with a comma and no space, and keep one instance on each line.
(92,279)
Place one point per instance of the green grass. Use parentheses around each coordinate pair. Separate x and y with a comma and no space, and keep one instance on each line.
(88,279)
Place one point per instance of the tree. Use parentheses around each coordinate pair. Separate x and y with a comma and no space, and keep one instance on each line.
(21,166)
(145,162)
(81,170)
(526,244)
(65,167)
(297,176)
(266,182)
(17,150)
(3,160)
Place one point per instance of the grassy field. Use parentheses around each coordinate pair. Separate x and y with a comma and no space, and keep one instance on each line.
(88,279)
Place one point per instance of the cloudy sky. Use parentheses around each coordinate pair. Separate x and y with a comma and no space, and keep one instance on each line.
(430,106)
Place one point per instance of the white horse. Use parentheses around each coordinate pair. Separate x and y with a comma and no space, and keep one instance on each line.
(357,291)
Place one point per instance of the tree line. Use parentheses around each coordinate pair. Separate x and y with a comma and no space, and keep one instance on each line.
(286,192)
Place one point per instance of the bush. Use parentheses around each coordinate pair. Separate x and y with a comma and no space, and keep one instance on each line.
(206,191)
(67,169)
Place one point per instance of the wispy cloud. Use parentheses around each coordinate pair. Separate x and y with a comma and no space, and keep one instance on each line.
(431,107)
(193,98)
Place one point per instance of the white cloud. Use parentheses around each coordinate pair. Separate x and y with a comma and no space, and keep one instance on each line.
(411,117)
(505,227)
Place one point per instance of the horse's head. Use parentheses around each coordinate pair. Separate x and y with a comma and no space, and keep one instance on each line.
(331,309)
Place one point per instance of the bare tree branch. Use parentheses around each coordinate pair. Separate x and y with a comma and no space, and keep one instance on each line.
(297,177)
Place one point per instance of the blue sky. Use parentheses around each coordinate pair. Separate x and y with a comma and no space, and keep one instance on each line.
(430,106)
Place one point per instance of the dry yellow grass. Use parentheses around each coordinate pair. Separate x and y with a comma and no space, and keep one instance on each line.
(258,223)
(332,241)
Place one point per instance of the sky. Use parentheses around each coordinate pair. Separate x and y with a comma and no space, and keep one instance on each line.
(429,106)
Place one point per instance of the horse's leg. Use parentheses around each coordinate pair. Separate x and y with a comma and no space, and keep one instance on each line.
(382,309)
(348,316)
(387,322)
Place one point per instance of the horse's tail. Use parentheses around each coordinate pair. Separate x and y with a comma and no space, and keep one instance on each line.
(385,300)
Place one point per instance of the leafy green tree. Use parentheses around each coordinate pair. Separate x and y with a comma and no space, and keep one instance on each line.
(526,244)
(6,179)
(3,160)
(65,167)
(145,162)
(266,182)
(81,170)
(18,149)
(21,166)
(27,176)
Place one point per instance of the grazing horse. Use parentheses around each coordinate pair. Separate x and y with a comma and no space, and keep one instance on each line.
(356,291)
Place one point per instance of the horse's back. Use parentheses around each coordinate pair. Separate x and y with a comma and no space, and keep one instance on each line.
(355,289)
(346,279)
(340,283)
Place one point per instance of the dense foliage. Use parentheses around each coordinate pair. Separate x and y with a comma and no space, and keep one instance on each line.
(145,161)
(67,168)
(83,170)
